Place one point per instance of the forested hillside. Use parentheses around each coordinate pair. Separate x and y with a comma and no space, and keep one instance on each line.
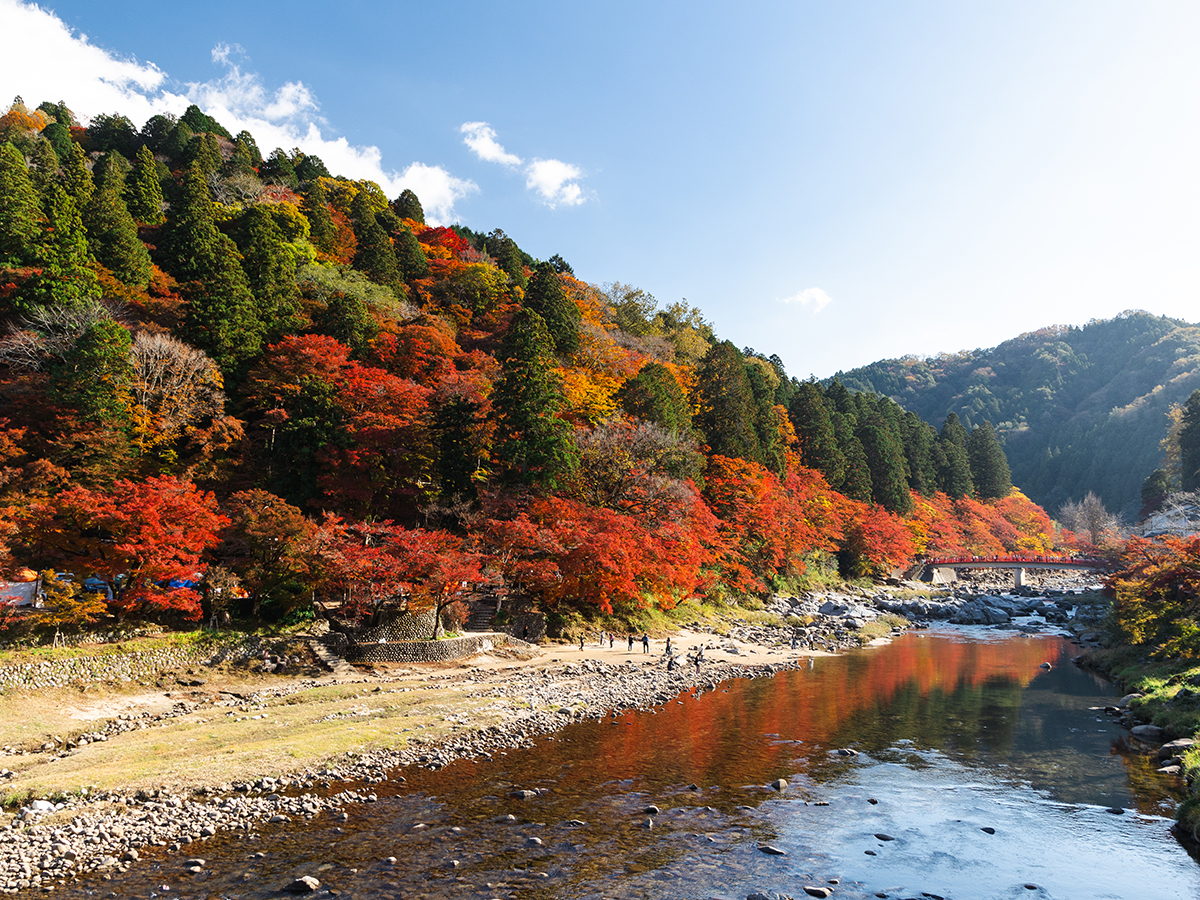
(231,382)
(1079,408)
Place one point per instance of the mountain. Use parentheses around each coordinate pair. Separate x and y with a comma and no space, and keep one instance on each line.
(1078,408)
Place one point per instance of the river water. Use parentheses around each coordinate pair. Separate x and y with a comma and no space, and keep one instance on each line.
(957,731)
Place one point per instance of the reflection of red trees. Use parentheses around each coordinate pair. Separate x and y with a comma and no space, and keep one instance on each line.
(815,707)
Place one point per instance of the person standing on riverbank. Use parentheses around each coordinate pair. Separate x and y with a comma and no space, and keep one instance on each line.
(645,642)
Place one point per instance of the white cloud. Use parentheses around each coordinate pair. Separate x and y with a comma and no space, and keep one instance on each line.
(810,297)
(92,80)
(481,138)
(556,181)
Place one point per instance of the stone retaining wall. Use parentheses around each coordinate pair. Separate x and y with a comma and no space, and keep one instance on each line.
(404,627)
(424,651)
(140,665)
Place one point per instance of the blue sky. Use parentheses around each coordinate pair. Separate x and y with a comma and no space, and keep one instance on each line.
(832,182)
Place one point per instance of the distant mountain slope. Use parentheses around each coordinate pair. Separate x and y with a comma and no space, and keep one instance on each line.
(1079,408)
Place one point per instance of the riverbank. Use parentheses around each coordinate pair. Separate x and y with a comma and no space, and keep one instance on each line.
(229,750)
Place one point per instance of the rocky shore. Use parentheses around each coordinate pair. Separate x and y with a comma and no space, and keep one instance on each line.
(46,842)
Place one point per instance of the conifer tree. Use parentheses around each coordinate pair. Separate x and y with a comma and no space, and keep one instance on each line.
(989,466)
(143,193)
(111,171)
(725,403)
(206,154)
(270,270)
(814,431)
(1189,444)
(113,235)
(410,257)
(67,278)
(533,445)
(545,296)
(95,377)
(45,166)
(456,424)
(507,254)
(954,478)
(322,230)
(919,438)
(885,461)
(278,169)
(654,395)
(375,257)
(764,383)
(222,317)
(59,137)
(19,212)
(407,206)
(856,477)
(77,177)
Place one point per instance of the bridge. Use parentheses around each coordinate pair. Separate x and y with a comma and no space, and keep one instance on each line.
(1018,564)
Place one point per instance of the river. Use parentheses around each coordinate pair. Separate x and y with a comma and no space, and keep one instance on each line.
(978,774)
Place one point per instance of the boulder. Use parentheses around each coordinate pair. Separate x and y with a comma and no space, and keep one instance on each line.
(1150,733)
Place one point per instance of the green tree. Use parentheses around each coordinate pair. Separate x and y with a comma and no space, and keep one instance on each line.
(814,432)
(508,256)
(143,193)
(67,278)
(407,206)
(919,438)
(764,386)
(546,297)
(95,377)
(45,166)
(322,230)
(278,169)
(725,403)
(654,395)
(1189,444)
(270,270)
(989,467)
(1155,490)
(309,168)
(533,445)
(200,122)
(885,460)
(954,477)
(460,456)
(410,256)
(112,132)
(113,235)
(58,136)
(375,256)
(77,177)
(222,318)
(19,212)
(348,318)
(205,154)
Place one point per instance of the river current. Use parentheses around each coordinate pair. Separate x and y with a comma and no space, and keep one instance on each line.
(978,774)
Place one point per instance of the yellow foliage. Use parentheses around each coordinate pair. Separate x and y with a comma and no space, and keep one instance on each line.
(589,394)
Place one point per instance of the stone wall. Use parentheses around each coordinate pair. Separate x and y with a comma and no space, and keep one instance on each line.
(140,665)
(404,627)
(424,651)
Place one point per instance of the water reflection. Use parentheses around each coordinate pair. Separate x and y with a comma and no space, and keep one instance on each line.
(956,733)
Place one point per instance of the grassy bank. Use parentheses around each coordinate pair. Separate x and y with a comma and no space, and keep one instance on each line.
(1170,699)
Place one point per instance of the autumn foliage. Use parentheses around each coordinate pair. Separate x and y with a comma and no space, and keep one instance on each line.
(319,395)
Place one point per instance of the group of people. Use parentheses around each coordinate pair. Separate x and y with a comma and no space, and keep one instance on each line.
(668,651)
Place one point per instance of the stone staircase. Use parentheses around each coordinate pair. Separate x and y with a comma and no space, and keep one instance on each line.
(483,612)
(333,662)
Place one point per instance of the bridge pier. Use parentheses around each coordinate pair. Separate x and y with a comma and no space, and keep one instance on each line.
(1018,578)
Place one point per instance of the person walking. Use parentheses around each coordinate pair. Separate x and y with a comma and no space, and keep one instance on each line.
(610,640)
(645,642)
(581,641)
(631,642)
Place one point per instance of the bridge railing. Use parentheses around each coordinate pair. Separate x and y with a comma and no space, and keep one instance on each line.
(1082,562)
